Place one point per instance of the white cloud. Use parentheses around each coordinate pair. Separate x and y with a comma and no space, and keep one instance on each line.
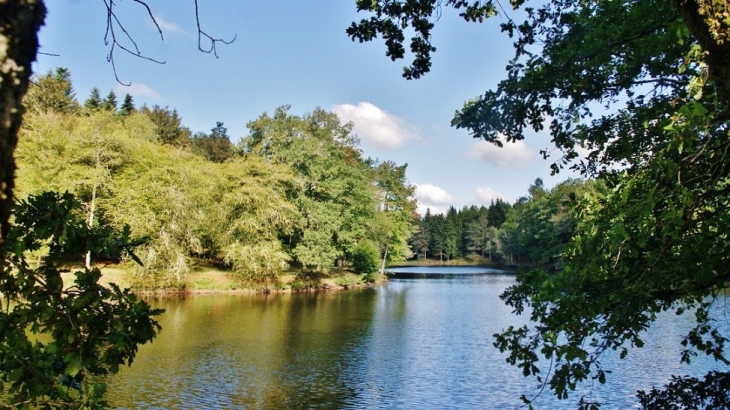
(376,127)
(166,26)
(486,195)
(137,90)
(512,155)
(432,197)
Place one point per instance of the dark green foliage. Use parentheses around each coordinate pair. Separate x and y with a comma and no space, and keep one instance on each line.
(391,18)
(169,125)
(420,244)
(459,233)
(94,100)
(365,258)
(216,146)
(127,106)
(55,337)
(712,392)
(498,210)
(110,102)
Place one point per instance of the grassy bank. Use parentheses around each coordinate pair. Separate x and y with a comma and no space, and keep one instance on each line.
(207,279)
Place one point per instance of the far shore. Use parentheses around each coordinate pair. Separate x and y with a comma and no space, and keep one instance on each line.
(211,280)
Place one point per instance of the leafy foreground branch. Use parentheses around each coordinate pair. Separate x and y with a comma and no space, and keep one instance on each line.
(53,339)
(651,244)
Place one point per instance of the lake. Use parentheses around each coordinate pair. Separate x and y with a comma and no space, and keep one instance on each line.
(423,340)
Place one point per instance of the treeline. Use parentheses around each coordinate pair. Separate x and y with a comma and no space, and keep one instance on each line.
(295,190)
(533,231)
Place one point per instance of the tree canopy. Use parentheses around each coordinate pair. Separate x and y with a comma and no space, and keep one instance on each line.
(636,94)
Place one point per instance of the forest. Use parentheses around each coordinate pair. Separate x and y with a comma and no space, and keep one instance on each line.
(296,191)
(531,232)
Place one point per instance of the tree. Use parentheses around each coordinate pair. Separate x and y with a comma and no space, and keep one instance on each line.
(94,101)
(216,147)
(420,243)
(20,21)
(127,105)
(110,102)
(644,87)
(332,191)
(478,236)
(67,334)
(169,125)
(393,223)
(365,258)
(498,213)
(52,92)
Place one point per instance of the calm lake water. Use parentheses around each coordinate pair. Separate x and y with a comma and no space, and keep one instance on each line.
(424,340)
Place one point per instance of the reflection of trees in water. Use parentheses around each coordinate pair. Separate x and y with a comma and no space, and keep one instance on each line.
(324,335)
(279,351)
(410,342)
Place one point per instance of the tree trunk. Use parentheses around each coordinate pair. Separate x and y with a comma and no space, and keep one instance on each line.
(707,21)
(20,21)
(385,257)
(92,208)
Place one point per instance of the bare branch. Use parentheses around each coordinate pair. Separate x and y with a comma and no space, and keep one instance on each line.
(110,37)
(113,25)
(213,41)
(152,17)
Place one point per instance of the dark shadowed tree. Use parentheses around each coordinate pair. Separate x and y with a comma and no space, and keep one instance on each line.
(169,125)
(216,146)
(110,102)
(127,106)
(94,101)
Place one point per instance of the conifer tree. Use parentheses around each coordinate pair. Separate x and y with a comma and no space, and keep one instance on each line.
(127,106)
(52,91)
(94,101)
(110,102)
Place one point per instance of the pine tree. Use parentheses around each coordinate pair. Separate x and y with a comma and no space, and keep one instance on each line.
(94,101)
(127,106)
(52,91)
(110,102)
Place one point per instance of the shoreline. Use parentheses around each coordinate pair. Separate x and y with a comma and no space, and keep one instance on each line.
(207,280)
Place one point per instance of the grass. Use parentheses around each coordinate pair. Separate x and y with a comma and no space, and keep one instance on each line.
(208,279)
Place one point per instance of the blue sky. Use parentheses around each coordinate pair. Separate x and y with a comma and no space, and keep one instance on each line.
(296,52)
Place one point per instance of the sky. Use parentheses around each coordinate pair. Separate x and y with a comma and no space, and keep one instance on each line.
(294,52)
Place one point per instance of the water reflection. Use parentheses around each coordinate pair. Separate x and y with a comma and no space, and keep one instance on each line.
(424,343)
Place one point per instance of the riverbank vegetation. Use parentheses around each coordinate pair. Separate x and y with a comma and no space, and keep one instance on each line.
(295,192)
(531,232)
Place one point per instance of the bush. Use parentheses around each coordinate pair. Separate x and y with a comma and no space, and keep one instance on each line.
(365,258)
(346,280)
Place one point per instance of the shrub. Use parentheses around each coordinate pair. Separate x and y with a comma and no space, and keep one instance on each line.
(365,258)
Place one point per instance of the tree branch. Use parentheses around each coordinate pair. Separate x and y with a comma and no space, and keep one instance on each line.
(111,37)
(202,34)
